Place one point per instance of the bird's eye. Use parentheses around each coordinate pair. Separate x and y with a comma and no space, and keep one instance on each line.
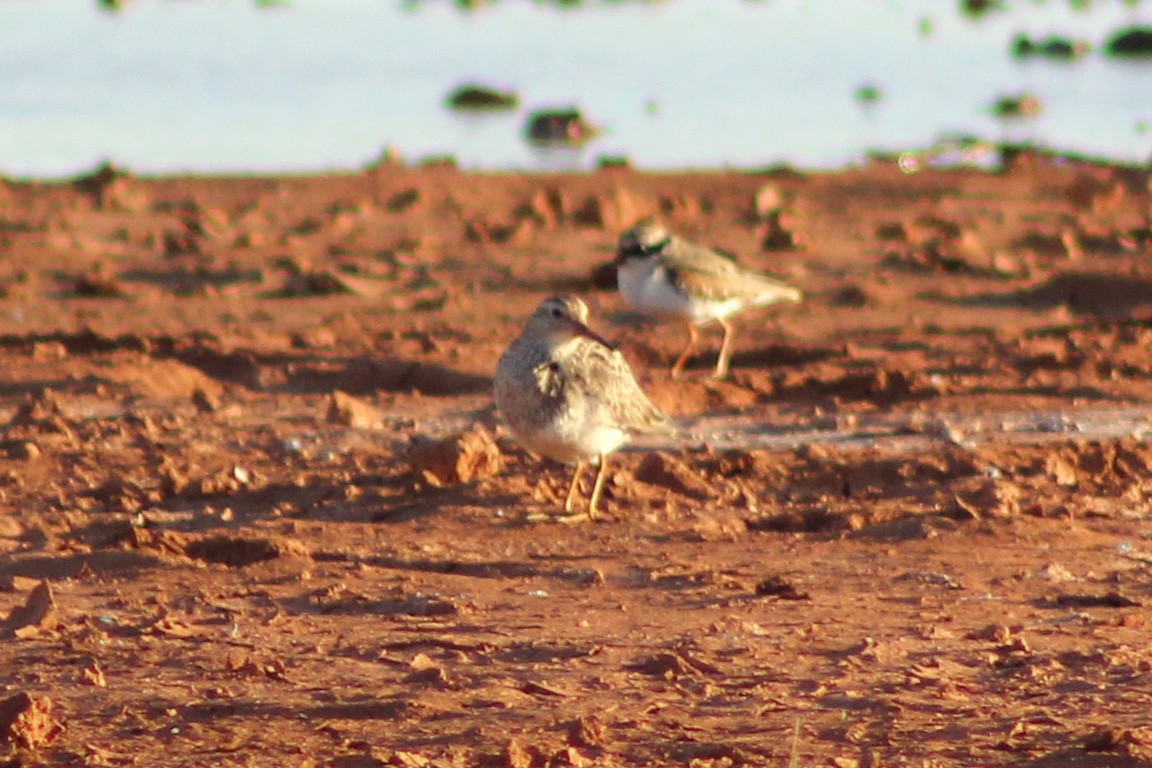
(556,312)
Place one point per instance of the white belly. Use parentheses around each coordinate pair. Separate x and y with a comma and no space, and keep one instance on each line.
(648,290)
(570,446)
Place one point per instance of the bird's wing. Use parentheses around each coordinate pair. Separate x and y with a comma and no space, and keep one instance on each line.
(602,373)
(708,274)
(681,252)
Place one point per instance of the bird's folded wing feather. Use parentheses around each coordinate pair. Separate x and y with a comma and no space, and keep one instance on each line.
(708,274)
(604,374)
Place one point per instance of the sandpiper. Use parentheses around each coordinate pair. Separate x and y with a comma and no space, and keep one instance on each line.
(569,395)
(662,275)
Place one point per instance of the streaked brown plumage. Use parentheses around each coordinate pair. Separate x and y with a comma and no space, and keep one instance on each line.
(569,395)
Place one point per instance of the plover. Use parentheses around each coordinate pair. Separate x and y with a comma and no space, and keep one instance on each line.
(662,275)
(569,395)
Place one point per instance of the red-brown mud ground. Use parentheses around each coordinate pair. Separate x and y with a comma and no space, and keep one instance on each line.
(256,508)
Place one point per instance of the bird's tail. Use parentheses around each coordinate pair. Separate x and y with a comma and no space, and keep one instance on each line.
(774,292)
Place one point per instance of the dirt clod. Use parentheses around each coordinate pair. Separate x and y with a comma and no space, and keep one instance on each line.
(782,587)
(518,756)
(38,614)
(27,721)
(239,551)
(351,411)
(469,456)
(587,732)
(670,472)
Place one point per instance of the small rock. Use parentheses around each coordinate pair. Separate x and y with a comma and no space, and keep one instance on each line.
(546,208)
(778,234)
(851,295)
(781,587)
(250,238)
(97,285)
(315,282)
(473,455)
(1051,48)
(1062,469)
(402,759)
(27,721)
(204,401)
(559,126)
(351,412)
(480,230)
(1021,105)
(38,614)
(586,732)
(1055,572)
(571,758)
(315,338)
(667,665)
(21,450)
(1008,264)
(480,97)
(992,499)
(663,469)
(688,207)
(49,352)
(181,242)
(11,528)
(892,230)
(93,674)
(516,755)
(18,583)
(430,676)
(1104,739)
(615,211)
(404,200)
(242,551)
(1131,42)
(237,660)
(997,633)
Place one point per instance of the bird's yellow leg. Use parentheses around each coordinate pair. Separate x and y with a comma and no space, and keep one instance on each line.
(594,501)
(572,487)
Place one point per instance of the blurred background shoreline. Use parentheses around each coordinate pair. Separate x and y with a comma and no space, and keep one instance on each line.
(233,86)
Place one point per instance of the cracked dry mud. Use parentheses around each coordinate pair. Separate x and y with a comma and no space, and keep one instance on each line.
(256,508)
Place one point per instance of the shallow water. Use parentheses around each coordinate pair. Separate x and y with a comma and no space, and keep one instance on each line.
(317,84)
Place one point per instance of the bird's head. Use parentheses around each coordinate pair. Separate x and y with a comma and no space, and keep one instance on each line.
(642,240)
(560,318)
(561,310)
